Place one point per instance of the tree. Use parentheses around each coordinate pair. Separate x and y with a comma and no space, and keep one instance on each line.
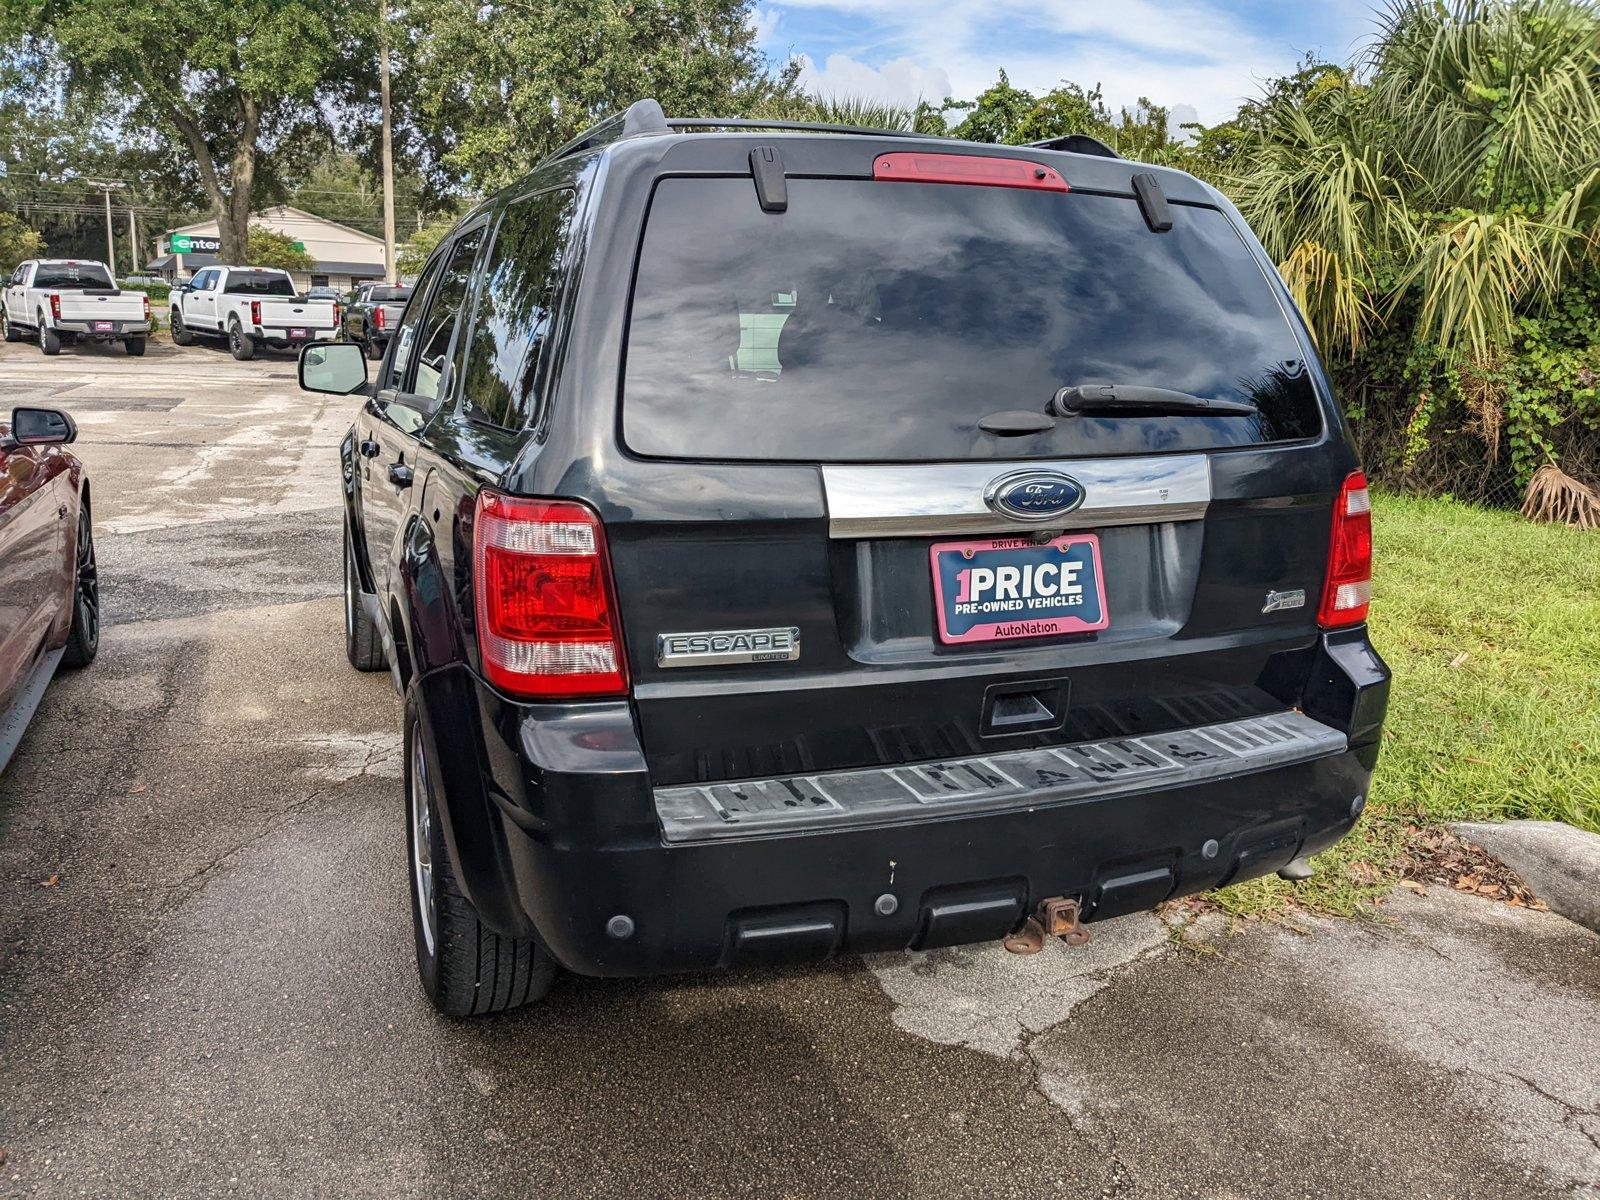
(266,248)
(492,87)
(414,251)
(1436,211)
(234,84)
(923,117)
(18,242)
(1009,115)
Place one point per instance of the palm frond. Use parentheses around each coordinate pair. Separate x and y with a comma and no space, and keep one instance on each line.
(1477,271)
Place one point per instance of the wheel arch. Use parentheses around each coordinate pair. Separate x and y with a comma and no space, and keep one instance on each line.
(440,685)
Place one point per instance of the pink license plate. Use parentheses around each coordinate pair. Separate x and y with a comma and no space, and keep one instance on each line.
(1009,587)
(296,334)
(105,326)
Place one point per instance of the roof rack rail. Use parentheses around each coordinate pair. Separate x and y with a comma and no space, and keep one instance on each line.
(640,118)
(1077,143)
(801,126)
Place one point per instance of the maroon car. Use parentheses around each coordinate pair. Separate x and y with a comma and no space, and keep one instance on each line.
(49,594)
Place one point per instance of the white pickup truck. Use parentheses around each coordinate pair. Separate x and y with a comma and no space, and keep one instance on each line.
(61,301)
(250,306)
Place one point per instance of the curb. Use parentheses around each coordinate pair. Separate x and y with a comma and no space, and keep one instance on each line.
(1559,862)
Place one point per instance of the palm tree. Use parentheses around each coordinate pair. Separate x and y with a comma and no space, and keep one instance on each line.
(1446,187)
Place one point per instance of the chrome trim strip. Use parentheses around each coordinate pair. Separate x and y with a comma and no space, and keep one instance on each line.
(992,782)
(921,499)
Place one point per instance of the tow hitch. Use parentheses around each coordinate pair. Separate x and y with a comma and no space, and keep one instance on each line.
(1056,917)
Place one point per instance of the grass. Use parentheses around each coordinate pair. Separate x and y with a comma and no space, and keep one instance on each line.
(1491,625)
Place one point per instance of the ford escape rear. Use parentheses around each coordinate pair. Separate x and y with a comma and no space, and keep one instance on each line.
(790,542)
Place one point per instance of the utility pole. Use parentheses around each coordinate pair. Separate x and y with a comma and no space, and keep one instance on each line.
(133,239)
(388,143)
(105,187)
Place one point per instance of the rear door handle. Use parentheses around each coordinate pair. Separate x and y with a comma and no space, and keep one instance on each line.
(400,475)
(369,448)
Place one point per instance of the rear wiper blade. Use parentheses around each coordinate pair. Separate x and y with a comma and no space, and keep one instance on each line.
(1088,398)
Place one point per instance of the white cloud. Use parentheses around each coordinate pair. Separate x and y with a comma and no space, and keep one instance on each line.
(899,81)
(764,23)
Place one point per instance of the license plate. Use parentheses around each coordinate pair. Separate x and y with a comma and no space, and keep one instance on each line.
(998,588)
(297,335)
(105,326)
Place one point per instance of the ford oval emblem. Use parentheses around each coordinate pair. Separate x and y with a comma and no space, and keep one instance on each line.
(1035,495)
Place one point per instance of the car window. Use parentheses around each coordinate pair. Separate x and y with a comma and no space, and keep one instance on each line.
(430,352)
(202,281)
(260,283)
(521,281)
(407,334)
(880,321)
(72,275)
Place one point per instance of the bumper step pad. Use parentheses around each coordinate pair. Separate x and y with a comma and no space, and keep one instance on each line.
(1016,779)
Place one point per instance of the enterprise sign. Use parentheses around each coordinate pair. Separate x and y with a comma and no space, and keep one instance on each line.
(193,243)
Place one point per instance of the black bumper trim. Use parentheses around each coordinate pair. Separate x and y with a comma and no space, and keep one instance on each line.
(1016,779)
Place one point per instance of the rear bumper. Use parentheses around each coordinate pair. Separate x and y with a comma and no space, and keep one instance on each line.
(553,830)
(280,333)
(119,329)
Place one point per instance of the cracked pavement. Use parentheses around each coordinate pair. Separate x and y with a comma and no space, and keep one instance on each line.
(216,995)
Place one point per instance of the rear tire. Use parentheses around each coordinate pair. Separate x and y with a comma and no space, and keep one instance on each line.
(362,644)
(371,349)
(240,343)
(180,332)
(49,339)
(467,969)
(134,346)
(83,640)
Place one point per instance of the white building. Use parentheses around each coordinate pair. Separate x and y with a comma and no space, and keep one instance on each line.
(343,256)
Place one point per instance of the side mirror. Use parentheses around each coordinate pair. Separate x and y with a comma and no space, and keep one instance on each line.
(336,368)
(42,427)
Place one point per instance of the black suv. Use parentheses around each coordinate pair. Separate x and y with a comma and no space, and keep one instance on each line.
(792,540)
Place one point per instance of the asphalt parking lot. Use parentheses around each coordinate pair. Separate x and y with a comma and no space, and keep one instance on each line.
(207,980)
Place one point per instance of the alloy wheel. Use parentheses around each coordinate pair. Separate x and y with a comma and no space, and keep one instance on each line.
(87,598)
(349,590)
(422,843)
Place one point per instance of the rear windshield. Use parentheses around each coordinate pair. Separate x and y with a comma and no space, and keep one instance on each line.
(71,275)
(385,294)
(262,283)
(879,321)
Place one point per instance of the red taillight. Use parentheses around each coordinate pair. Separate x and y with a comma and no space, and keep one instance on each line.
(255,312)
(55,306)
(147,309)
(1348,592)
(911,167)
(547,613)
(377,317)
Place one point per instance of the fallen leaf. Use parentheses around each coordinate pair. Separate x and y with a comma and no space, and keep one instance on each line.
(136,788)
(1414,886)
(51,882)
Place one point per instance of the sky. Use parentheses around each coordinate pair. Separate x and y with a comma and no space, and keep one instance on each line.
(1200,58)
